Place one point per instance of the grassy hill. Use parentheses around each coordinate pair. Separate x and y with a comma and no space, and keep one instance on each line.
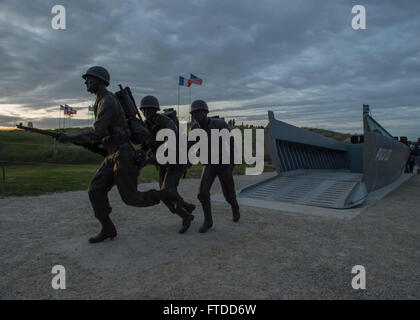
(342,137)
(20,147)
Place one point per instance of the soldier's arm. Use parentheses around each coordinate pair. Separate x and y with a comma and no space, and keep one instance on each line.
(100,127)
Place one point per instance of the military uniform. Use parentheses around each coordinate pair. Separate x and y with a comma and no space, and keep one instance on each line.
(222,171)
(119,166)
(211,171)
(169,174)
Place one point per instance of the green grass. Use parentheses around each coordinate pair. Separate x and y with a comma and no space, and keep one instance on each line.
(20,147)
(25,180)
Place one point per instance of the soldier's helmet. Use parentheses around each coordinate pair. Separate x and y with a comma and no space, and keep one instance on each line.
(149,102)
(98,72)
(199,105)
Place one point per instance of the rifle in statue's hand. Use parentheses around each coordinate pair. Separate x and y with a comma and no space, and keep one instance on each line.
(59,135)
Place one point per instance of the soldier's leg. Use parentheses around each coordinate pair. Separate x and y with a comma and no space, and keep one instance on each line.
(98,190)
(207,178)
(228,189)
(170,183)
(163,172)
(180,172)
(173,175)
(125,177)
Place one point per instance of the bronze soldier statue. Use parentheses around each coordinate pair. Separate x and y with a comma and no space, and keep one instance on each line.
(169,174)
(199,111)
(119,167)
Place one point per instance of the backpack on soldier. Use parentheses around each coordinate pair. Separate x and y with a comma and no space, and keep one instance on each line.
(171,113)
(138,132)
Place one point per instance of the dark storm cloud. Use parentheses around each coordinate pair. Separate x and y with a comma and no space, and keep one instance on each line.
(299,58)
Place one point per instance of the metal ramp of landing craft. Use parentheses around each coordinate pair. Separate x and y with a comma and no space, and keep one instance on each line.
(332,189)
(318,171)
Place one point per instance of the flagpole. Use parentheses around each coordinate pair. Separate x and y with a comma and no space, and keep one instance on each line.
(189,115)
(178,101)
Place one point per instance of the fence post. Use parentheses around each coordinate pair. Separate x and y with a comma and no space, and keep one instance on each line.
(55,147)
(3,184)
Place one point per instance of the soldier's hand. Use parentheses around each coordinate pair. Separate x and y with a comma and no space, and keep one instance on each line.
(140,158)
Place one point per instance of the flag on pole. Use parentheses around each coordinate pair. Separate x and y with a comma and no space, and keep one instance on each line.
(194,79)
(183,82)
(69,110)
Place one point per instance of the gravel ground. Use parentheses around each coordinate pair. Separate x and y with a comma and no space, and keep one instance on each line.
(267,255)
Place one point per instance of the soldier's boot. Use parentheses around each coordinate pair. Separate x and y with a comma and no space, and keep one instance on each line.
(208,220)
(108,231)
(189,207)
(186,219)
(181,203)
(236,215)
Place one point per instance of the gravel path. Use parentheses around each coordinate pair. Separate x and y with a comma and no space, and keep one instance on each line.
(267,255)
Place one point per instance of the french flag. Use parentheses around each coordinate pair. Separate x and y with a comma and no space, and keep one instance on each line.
(183,82)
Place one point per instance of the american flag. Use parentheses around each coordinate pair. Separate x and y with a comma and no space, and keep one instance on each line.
(194,79)
(69,110)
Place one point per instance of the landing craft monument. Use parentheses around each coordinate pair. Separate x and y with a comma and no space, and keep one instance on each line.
(318,171)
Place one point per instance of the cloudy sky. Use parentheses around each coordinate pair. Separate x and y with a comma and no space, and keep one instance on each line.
(302,59)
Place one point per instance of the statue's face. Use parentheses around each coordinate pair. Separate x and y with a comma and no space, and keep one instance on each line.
(199,116)
(92,84)
(148,112)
